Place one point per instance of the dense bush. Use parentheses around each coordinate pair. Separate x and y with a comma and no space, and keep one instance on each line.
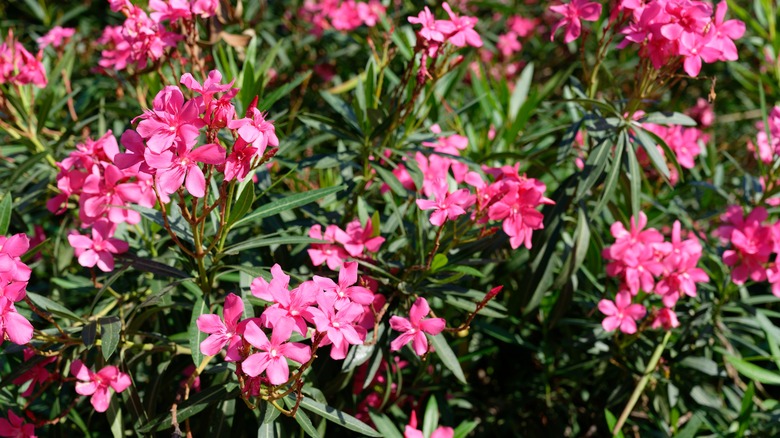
(389,218)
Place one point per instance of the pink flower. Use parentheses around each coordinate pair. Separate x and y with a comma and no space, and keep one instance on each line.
(724,34)
(411,431)
(621,313)
(415,328)
(222,333)
(665,318)
(273,354)
(13,326)
(256,131)
(572,14)
(432,29)
(358,238)
(100,248)
(338,324)
(447,206)
(15,427)
(106,193)
(37,375)
(345,291)
(330,253)
(168,119)
(463,33)
(292,306)
(56,37)
(173,170)
(508,44)
(97,384)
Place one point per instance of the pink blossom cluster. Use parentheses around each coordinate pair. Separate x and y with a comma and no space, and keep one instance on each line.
(102,192)
(768,137)
(643,261)
(754,246)
(340,15)
(670,31)
(14,276)
(331,313)
(15,427)
(356,242)
(685,142)
(510,197)
(99,385)
(458,31)
(18,66)
(165,144)
(517,27)
(56,37)
(38,375)
(141,39)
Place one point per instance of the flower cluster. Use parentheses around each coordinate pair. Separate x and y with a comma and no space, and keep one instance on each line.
(15,427)
(20,67)
(56,37)
(99,384)
(458,31)
(644,262)
(510,197)
(670,31)
(102,191)
(755,244)
(768,137)
(355,242)
(341,15)
(336,314)
(14,276)
(165,143)
(141,38)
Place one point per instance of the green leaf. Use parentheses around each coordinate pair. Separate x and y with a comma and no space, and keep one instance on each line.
(52,307)
(391,180)
(754,371)
(669,118)
(464,429)
(431,419)
(611,421)
(447,356)
(745,410)
(635,181)
(652,151)
(270,430)
(177,223)
(88,334)
(243,204)
(268,241)
(149,265)
(196,403)
(385,425)
(692,426)
(468,270)
(282,91)
(520,94)
(110,330)
(338,417)
(195,335)
(288,203)
(5,213)
(439,261)
(302,419)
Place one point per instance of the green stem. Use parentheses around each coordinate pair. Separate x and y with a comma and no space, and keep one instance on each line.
(640,387)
